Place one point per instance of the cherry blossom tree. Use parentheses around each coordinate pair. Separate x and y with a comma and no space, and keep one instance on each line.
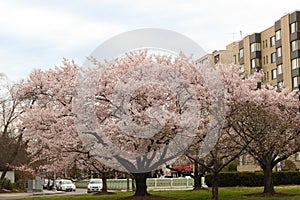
(216,160)
(262,122)
(171,114)
(48,121)
(140,123)
(227,148)
(266,121)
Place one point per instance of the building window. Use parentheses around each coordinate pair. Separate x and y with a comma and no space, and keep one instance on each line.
(264,60)
(278,52)
(294,45)
(203,61)
(241,53)
(234,59)
(278,35)
(279,69)
(253,63)
(263,44)
(295,63)
(295,82)
(280,85)
(244,160)
(273,57)
(217,59)
(274,73)
(297,156)
(293,27)
(272,41)
(266,43)
(255,47)
(242,69)
(267,59)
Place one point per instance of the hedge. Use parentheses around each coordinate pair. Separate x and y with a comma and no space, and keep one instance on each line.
(227,179)
(5,184)
(8,185)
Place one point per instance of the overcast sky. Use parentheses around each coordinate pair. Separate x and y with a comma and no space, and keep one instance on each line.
(38,34)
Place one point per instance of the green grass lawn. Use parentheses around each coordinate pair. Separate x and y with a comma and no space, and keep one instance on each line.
(228,193)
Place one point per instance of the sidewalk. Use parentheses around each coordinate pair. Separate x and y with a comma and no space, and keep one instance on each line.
(22,195)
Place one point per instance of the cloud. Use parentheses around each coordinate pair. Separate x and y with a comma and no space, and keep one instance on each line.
(62,29)
(36,33)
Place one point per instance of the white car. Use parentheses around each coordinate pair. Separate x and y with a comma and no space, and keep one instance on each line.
(94,185)
(66,185)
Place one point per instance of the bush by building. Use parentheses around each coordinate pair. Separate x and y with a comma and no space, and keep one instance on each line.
(251,179)
(6,184)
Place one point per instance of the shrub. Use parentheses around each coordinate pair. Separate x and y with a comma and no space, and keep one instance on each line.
(286,178)
(227,179)
(232,166)
(19,185)
(5,184)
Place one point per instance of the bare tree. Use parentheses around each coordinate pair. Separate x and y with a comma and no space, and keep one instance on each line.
(12,145)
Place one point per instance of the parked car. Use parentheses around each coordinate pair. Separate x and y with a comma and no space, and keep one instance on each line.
(66,185)
(45,184)
(56,182)
(94,185)
(48,184)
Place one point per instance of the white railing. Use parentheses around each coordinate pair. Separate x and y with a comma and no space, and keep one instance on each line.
(152,183)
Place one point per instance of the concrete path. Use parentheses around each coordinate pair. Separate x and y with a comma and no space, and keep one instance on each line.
(37,194)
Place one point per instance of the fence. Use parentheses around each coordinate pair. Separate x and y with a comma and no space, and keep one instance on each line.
(170,183)
(152,183)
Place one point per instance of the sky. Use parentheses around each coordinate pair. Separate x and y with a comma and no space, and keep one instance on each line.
(38,34)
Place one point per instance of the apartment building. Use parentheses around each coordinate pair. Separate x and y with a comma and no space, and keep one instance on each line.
(218,56)
(275,51)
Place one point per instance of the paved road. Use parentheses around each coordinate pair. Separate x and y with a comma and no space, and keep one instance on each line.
(39,194)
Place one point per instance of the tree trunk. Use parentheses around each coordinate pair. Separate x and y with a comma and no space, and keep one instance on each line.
(104,182)
(197,178)
(215,187)
(141,186)
(268,180)
(197,182)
